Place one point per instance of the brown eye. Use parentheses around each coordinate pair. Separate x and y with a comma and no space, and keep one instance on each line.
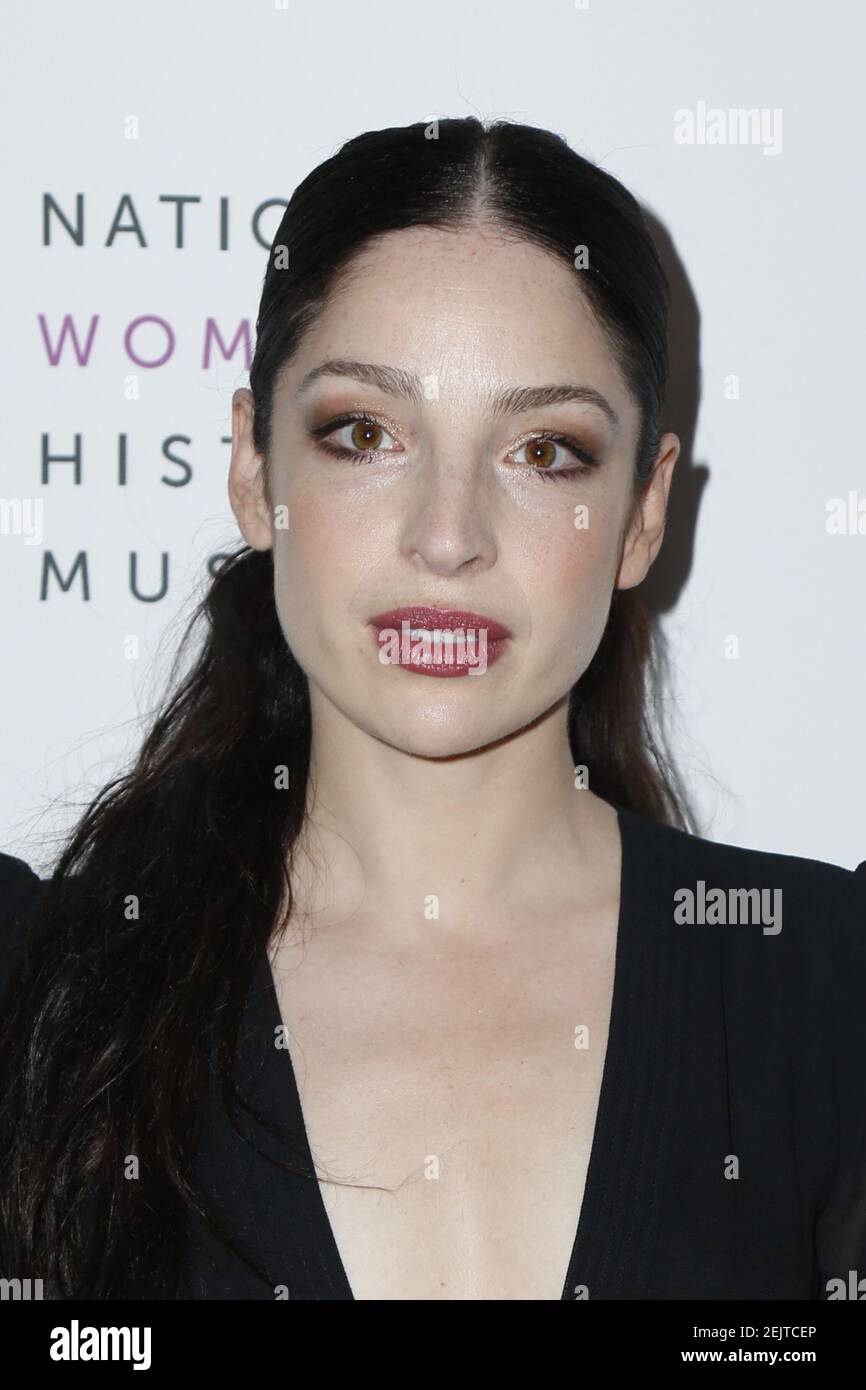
(366,435)
(541,452)
(358,438)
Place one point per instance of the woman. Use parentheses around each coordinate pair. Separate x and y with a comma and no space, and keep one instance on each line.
(400,881)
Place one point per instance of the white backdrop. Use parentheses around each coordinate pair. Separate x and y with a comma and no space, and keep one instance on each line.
(232,103)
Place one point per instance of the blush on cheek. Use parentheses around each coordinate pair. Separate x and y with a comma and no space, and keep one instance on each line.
(317,533)
(579,564)
(573,594)
(315,573)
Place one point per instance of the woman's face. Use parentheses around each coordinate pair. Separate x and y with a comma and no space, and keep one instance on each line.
(459,490)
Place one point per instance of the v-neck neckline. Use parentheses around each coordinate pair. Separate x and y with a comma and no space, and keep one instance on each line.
(615,1220)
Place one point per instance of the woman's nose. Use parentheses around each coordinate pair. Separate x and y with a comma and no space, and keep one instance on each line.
(449,522)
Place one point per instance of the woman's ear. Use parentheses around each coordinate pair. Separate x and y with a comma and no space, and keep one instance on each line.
(647,528)
(247,483)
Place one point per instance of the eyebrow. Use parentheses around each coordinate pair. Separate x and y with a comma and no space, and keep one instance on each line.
(510,400)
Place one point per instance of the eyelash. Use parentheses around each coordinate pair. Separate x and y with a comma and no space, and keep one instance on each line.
(588,460)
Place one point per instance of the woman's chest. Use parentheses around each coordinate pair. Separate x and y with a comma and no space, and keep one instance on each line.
(455,1124)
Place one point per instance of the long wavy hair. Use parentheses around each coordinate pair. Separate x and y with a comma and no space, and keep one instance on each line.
(105,1037)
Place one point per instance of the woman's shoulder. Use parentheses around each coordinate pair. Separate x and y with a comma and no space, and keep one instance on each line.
(783,934)
(781,937)
(774,944)
(20,888)
(717,882)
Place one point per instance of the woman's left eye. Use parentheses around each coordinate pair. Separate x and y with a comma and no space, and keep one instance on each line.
(544,457)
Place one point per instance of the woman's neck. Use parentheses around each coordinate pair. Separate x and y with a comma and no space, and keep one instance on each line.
(400,838)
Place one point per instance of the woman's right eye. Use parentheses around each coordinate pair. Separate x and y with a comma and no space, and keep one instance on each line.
(355,435)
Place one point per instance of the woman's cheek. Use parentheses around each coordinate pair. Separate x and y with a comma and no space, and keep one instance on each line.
(574,564)
(571,591)
(312,543)
(316,570)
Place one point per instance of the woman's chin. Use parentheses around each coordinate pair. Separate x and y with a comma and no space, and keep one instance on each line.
(432,731)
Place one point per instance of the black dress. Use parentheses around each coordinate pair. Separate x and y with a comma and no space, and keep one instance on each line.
(729,1153)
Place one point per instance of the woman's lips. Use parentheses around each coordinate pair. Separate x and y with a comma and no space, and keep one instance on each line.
(450,618)
(438,641)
